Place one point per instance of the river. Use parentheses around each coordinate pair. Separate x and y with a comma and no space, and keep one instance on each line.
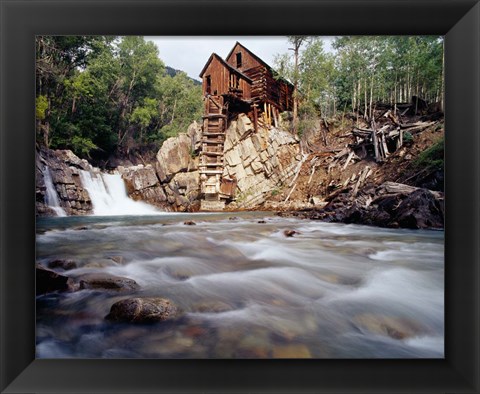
(245,289)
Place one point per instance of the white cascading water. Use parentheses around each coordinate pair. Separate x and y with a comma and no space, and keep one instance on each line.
(51,196)
(109,196)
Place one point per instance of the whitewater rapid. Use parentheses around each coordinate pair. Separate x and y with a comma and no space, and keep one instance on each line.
(246,290)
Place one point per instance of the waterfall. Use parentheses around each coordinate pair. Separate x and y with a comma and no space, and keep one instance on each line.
(109,196)
(51,196)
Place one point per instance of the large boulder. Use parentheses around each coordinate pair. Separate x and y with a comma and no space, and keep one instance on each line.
(183,191)
(143,310)
(142,184)
(388,205)
(174,156)
(420,210)
(48,281)
(194,131)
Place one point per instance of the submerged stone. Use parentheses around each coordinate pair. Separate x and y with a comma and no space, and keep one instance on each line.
(63,264)
(291,351)
(143,310)
(107,282)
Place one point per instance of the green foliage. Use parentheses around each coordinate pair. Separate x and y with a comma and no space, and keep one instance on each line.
(390,69)
(407,137)
(275,192)
(41,105)
(433,157)
(83,145)
(109,95)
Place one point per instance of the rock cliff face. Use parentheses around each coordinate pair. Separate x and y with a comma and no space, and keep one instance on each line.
(260,161)
(142,184)
(177,169)
(65,169)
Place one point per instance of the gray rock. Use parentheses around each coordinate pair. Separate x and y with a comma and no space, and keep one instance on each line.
(107,282)
(174,156)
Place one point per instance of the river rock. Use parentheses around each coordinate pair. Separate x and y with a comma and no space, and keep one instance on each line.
(48,281)
(62,264)
(107,282)
(143,310)
(394,327)
(290,233)
(212,307)
(291,351)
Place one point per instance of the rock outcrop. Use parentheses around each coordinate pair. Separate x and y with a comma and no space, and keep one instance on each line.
(65,169)
(143,184)
(260,161)
(388,205)
(177,169)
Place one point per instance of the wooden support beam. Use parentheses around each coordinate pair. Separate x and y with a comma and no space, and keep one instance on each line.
(255,117)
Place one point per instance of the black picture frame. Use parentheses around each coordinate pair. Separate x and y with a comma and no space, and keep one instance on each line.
(458,20)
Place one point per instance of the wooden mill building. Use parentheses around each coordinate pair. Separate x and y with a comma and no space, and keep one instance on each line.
(240,83)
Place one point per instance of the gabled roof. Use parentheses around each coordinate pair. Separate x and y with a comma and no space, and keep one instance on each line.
(258,59)
(251,53)
(233,69)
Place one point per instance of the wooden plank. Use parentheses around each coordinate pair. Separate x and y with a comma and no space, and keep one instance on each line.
(350,156)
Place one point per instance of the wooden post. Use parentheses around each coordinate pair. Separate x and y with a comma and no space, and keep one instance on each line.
(265,115)
(384,144)
(375,142)
(255,118)
(400,139)
(275,116)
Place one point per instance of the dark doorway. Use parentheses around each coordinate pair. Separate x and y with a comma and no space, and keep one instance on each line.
(208,89)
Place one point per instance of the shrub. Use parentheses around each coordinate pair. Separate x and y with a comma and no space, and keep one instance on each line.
(432,157)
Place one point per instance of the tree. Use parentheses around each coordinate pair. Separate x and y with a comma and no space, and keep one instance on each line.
(297,42)
(107,95)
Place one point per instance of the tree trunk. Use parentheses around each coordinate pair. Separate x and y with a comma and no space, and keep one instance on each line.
(295,90)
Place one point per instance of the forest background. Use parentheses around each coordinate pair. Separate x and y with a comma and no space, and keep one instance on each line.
(105,97)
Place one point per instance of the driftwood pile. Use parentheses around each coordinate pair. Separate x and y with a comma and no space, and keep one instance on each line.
(390,128)
(385,139)
(387,131)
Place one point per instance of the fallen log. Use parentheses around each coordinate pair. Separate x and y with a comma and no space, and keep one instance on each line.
(400,188)
(415,125)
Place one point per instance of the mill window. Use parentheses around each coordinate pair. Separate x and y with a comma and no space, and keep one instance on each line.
(239,59)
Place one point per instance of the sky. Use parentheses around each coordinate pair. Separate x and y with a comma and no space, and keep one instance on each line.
(190,54)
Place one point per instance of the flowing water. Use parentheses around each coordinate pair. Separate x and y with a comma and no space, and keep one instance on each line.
(109,195)
(51,196)
(245,289)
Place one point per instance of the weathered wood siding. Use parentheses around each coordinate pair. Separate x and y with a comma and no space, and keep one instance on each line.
(248,61)
(220,79)
(266,88)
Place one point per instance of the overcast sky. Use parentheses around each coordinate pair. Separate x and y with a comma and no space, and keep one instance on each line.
(190,54)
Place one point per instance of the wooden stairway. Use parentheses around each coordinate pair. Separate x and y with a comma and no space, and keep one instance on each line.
(211,156)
